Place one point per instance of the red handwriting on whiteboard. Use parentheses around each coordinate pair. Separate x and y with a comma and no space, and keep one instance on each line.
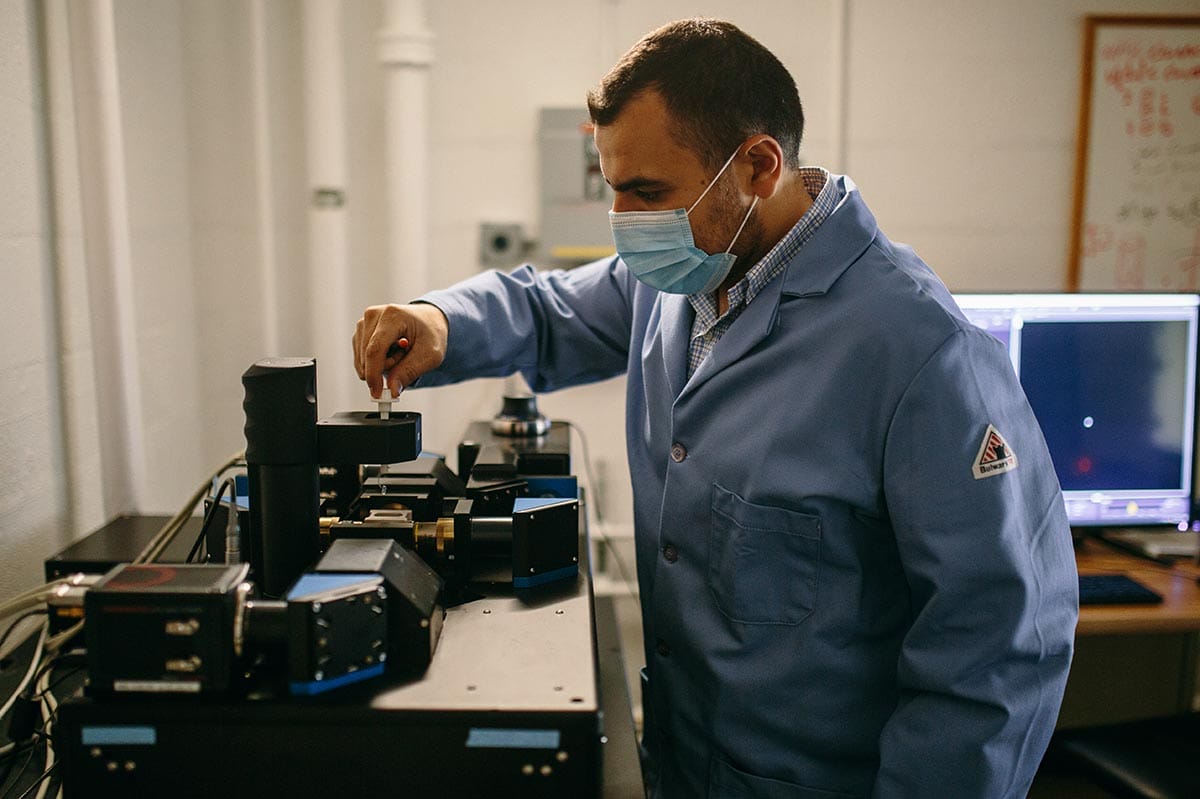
(1123,49)
(1097,239)
(1137,73)
(1119,76)
(1131,262)
(1189,265)
(1164,52)
(1154,115)
(1181,72)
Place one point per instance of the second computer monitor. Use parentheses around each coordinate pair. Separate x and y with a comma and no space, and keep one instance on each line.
(1111,379)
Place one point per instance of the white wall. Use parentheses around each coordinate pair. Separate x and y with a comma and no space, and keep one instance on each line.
(32,502)
(956,119)
(961,131)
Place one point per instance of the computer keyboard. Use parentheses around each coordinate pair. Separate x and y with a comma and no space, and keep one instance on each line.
(1156,543)
(1114,589)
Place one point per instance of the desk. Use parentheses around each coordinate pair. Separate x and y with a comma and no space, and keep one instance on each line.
(1134,661)
(1179,612)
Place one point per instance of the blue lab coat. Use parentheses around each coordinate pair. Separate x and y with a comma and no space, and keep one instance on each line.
(833,603)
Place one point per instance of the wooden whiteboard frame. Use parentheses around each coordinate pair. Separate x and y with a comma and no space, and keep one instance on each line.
(1082,167)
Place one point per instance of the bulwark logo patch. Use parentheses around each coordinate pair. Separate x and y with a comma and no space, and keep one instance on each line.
(995,456)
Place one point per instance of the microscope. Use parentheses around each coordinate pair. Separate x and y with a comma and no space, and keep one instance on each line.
(369,618)
(356,543)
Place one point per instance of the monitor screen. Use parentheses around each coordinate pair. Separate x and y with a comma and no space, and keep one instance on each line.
(1112,381)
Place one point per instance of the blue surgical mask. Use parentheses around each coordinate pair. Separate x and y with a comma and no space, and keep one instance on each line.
(659,249)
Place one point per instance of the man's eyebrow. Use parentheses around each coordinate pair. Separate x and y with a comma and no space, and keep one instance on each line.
(637,183)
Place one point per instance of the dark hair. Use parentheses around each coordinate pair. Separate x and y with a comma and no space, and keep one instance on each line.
(720,85)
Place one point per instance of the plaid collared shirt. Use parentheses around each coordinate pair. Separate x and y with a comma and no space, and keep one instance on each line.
(708,326)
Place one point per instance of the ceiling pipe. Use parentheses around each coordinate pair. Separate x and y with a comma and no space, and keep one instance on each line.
(264,178)
(406,52)
(329,272)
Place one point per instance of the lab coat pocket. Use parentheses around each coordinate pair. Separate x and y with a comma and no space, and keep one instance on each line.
(728,782)
(762,561)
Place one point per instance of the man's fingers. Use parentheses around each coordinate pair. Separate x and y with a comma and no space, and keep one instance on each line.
(394,345)
(404,373)
(374,383)
(377,335)
(395,382)
(354,344)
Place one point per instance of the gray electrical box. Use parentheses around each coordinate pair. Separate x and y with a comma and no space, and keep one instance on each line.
(575,198)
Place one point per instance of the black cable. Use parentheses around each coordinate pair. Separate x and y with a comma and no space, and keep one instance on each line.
(167,535)
(38,781)
(24,767)
(10,751)
(208,517)
(46,739)
(67,674)
(11,760)
(16,622)
(58,703)
(212,512)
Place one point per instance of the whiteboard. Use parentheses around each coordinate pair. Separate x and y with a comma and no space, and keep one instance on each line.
(1137,186)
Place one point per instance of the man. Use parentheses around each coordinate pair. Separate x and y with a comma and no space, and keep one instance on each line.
(855,568)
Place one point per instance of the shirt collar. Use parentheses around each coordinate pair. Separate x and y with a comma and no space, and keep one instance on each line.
(826,194)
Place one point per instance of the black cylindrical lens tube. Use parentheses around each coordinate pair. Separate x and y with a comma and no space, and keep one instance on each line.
(281,463)
(491,537)
(265,622)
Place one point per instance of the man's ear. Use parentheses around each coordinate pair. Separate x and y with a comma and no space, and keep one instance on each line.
(766,161)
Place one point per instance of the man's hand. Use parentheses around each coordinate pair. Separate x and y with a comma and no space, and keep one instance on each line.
(381,326)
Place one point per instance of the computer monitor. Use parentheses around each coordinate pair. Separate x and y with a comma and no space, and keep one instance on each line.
(1111,379)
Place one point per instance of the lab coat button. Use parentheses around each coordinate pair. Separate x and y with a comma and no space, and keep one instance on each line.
(678,452)
(662,648)
(670,553)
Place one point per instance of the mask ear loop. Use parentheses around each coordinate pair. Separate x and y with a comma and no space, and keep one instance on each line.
(753,203)
(712,182)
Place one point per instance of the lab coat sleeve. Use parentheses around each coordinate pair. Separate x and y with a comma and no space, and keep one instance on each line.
(992,583)
(559,328)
